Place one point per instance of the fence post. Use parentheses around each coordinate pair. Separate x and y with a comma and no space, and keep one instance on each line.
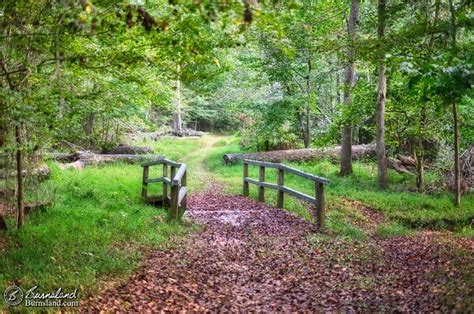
(246,184)
(261,189)
(165,185)
(174,193)
(145,182)
(174,201)
(319,204)
(281,194)
(184,183)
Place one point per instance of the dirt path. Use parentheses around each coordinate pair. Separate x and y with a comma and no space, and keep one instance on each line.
(251,256)
(200,177)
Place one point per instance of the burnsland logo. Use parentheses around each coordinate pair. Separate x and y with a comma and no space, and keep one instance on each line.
(14,295)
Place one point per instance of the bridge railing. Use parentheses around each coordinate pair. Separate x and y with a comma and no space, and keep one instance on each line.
(175,180)
(319,182)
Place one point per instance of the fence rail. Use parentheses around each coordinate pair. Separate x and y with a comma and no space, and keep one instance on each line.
(319,182)
(175,181)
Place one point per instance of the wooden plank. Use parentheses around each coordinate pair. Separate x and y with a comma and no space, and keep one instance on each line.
(264,184)
(171,163)
(144,182)
(269,185)
(246,184)
(253,181)
(320,205)
(304,197)
(280,183)
(182,194)
(165,184)
(153,162)
(176,179)
(157,180)
(174,201)
(261,163)
(173,173)
(185,197)
(287,169)
(167,181)
(261,189)
(304,174)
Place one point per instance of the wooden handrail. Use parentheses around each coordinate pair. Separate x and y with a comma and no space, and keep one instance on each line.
(176,181)
(161,161)
(317,200)
(179,175)
(287,169)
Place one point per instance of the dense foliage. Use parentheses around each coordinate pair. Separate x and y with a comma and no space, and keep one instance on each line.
(90,72)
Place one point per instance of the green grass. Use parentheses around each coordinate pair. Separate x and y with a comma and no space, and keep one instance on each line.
(176,149)
(413,209)
(392,229)
(96,228)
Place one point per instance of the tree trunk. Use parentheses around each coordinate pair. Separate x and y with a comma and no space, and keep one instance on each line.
(89,124)
(457,168)
(381,99)
(307,132)
(307,154)
(346,143)
(420,150)
(19,169)
(57,70)
(420,167)
(177,121)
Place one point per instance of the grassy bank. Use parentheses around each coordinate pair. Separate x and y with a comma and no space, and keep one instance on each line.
(413,209)
(96,228)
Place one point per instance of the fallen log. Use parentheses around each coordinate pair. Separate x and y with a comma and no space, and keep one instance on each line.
(63,157)
(128,149)
(187,133)
(397,165)
(407,161)
(333,153)
(89,158)
(86,158)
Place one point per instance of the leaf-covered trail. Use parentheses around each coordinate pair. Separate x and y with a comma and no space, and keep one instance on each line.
(251,256)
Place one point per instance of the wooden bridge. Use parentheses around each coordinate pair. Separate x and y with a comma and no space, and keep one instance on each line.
(176,181)
(317,200)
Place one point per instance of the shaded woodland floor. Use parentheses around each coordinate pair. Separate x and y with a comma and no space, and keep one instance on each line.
(251,256)
(373,255)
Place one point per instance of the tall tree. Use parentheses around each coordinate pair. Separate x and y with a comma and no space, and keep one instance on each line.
(346,145)
(457,166)
(381,99)
(177,118)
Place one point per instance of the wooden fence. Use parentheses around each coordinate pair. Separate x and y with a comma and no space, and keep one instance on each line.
(176,181)
(317,200)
